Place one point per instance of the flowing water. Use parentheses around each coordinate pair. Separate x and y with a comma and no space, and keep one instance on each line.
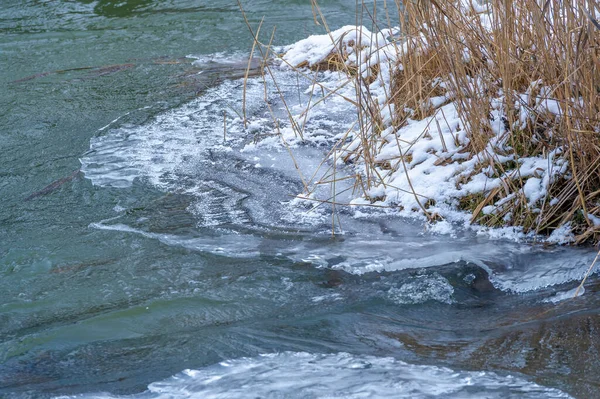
(142,253)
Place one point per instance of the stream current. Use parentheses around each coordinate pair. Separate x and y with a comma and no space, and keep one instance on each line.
(143,254)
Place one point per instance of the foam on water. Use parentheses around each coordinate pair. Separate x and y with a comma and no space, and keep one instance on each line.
(304,375)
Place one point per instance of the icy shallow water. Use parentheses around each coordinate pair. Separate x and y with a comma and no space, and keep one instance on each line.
(178,249)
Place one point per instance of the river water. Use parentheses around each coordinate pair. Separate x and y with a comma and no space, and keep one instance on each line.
(142,253)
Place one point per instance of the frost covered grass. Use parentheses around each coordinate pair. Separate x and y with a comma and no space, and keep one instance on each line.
(471,112)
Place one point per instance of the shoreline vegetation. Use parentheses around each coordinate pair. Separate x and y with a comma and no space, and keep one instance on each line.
(475,112)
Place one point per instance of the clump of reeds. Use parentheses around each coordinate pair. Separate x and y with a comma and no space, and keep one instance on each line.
(522,53)
(524,76)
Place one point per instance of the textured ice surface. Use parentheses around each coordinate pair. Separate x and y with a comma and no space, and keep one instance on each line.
(248,186)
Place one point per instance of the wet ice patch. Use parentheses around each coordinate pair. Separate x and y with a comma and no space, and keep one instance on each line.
(304,375)
(241,174)
(232,182)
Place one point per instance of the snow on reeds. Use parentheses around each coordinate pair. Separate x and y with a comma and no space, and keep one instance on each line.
(471,112)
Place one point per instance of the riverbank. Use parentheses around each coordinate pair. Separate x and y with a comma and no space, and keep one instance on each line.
(480,115)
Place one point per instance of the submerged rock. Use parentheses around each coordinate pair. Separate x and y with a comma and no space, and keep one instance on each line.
(563,352)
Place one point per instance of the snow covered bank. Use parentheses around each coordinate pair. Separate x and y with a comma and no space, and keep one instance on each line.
(466,117)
